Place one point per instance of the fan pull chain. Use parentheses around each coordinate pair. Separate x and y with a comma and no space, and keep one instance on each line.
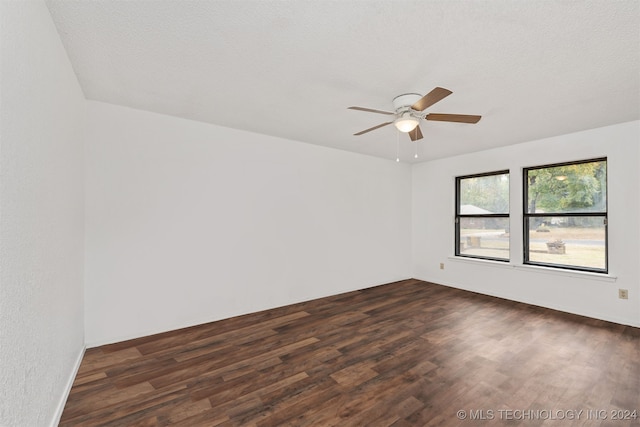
(397,146)
(415,156)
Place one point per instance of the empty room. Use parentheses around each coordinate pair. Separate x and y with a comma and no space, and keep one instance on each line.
(319,213)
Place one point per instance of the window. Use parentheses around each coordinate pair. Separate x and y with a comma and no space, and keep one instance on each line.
(565,215)
(482,216)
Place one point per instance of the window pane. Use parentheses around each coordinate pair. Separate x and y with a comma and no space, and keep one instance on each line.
(572,188)
(484,237)
(568,241)
(484,195)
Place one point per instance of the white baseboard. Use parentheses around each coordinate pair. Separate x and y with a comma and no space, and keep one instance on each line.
(63,399)
(544,304)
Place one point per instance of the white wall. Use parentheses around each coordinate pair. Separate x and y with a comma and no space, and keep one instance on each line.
(189,222)
(41,217)
(590,295)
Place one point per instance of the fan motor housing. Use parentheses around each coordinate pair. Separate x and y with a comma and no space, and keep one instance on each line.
(405,101)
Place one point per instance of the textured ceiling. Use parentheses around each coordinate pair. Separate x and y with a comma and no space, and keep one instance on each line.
(532,69)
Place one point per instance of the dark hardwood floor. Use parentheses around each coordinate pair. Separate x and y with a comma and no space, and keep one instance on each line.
(405,354)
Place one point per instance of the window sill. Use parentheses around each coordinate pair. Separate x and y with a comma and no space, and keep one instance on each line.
(480,261)
(601,277)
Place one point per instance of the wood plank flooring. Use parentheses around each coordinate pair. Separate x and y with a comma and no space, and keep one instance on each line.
(409,353)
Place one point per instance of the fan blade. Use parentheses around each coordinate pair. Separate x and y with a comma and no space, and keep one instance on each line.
(438,94)
(460,118)
(373,128)
(416,134)
(369,110)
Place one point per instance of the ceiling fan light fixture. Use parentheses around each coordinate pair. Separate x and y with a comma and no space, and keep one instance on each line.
(406,123)
(409,111)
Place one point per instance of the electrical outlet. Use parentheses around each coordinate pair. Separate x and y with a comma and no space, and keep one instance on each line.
(623,293)
(442,266)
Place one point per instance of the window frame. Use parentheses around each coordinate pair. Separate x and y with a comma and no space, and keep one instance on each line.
(526,216)
(459,216)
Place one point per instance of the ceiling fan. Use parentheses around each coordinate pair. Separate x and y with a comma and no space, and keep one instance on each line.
(409,111)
